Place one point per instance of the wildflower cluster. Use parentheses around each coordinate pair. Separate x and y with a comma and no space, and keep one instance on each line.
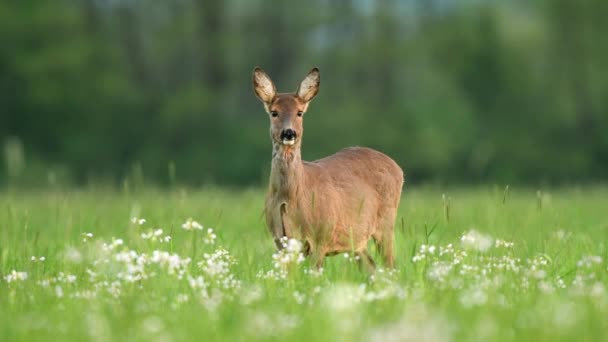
(156,235)
(474,240)
(481,278)
(587,278)
(112,269)
(190,224)
(217,268)
(351,257)
(15,276)
(138,221)
(284,259)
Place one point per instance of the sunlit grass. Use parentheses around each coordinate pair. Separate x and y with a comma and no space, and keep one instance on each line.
(472,264)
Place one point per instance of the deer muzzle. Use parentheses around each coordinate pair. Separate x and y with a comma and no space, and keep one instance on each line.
(288,136)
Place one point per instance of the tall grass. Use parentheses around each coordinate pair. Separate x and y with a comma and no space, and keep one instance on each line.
(472,264)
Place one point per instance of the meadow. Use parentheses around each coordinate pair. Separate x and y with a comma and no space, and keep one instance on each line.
(487,263)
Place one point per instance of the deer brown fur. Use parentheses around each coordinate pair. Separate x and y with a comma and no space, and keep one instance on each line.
(335,204)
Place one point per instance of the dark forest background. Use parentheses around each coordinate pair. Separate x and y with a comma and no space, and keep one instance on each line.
(456,91)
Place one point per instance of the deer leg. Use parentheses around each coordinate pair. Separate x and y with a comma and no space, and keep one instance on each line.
(385,236)
(318,261)
(386,248)
(366,261)
(384,243)
(276,224)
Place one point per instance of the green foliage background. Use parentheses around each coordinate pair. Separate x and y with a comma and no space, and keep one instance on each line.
(455,91)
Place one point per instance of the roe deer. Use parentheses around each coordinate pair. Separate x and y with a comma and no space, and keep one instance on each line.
(335,204)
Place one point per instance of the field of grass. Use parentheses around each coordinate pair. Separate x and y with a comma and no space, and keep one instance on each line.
(475,264)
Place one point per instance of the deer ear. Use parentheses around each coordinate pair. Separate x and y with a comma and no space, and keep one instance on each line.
(263,86)
(309,86)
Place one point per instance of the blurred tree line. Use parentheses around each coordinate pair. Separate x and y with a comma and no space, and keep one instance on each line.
(455,91)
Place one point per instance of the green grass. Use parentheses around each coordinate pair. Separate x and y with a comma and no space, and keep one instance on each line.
(535,290)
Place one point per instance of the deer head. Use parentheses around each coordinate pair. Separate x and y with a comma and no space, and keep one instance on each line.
(286,110)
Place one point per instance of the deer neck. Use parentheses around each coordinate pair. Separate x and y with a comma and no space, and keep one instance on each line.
(287,172)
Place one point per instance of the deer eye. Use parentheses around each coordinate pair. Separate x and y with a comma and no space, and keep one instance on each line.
(299,113)
(274,114)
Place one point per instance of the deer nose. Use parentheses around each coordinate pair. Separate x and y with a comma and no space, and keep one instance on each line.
(288,134)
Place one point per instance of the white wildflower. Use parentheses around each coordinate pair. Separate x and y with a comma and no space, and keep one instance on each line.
(58,291)
(473,297)
(476,241)
(86,236)
(217,267)
(197,283)
(447,250)
(251,294)
(15,276)
(299,297)
(190,224)
(597,290)
(263,325)
(589,261)
(210,237)
(293,246)
(86,294)
(73,255)
(501,243)
(138,221)
(418,257)
(537,274)
(155,235)
(546,287)
(113,245)
(211,303)
(424,251)
(417,324)
(291,254)
(344,297)
(174,264)
(314,272)
(274,274)
(182,298)
(439,270)
(114,289)
(351,257)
